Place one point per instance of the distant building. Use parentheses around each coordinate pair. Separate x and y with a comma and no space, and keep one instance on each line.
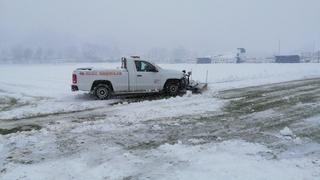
(238,56)
(205,60)
(287,59)
(225,58)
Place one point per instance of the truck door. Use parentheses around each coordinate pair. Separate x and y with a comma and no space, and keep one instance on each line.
(147,76)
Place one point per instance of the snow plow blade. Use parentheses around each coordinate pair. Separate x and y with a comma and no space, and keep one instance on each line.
(197,87)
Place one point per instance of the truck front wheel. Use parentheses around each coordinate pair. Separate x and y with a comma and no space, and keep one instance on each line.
(172,89)
(102,91)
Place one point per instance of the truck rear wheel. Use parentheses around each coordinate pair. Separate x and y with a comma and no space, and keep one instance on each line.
(172,89)
(102,92)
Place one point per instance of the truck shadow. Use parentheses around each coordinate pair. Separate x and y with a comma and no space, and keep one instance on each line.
(120,99)
(138,98)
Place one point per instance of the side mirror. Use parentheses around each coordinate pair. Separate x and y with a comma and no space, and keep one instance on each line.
(151,69)
(154,70)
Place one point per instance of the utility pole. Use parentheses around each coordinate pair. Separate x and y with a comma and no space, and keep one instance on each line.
(279,47)
(313,57)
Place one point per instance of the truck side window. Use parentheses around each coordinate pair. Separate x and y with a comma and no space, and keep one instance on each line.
(138,65)
(143,66)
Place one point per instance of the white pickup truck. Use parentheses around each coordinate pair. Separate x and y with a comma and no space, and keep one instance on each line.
(134,76)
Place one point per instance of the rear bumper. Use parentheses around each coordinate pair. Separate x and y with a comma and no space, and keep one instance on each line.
(74,88)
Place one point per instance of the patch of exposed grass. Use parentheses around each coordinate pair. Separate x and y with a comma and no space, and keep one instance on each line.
(246,106)
(311,133)
(149,144)
(259,91)
(20,129)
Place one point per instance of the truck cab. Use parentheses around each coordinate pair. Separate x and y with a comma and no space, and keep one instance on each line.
(135,76)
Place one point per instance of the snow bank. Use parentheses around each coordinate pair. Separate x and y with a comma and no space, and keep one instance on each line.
(227,160)
(235,160)
(153,110)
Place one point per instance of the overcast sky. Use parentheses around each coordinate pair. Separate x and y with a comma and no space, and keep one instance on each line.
(138,25)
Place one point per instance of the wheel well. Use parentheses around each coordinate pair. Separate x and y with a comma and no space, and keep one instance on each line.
(171,81)
(97,82)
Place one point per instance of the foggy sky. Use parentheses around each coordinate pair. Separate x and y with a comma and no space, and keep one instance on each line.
(205,26)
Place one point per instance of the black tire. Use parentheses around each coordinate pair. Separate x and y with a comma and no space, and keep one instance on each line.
(172,88)
(102,92)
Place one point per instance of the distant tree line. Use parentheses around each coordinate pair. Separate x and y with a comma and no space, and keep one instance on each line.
(87,52)
(84,53)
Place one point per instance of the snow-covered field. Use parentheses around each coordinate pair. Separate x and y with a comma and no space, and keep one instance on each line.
(31,90)
(80,138)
